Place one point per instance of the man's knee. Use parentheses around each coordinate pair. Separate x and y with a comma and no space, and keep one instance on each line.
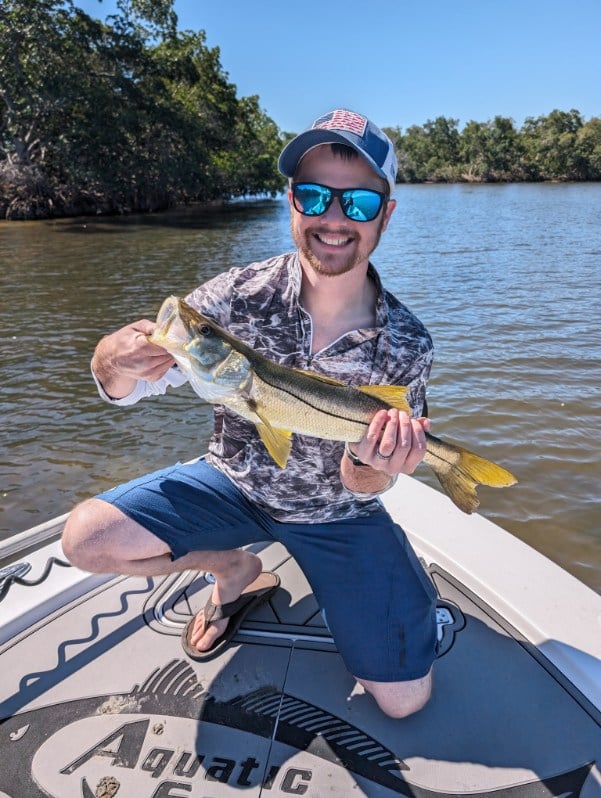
(82,538)
(400,699)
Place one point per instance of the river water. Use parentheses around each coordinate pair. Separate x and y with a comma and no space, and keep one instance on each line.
(505,277)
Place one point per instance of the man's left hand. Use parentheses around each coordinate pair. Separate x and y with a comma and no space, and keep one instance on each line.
(394,443)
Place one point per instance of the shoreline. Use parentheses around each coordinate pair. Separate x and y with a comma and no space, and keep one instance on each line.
(73,210)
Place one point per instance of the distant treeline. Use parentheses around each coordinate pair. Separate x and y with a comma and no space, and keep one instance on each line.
(132,114)
(560,146)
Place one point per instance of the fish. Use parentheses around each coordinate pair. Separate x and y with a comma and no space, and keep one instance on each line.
(281,401)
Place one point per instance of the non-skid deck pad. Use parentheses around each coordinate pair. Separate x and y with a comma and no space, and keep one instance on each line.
(100,701)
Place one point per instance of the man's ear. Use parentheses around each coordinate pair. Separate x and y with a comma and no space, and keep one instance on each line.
(390,206)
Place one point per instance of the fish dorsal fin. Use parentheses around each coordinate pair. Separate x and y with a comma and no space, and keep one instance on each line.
(314,375)
(278,442)
(393,395)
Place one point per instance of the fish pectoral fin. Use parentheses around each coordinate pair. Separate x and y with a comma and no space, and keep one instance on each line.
(278,442)
(393,395)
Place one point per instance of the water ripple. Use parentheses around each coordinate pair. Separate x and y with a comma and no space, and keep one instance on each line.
(505,277)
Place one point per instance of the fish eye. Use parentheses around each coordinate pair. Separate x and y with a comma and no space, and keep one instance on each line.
(205,330)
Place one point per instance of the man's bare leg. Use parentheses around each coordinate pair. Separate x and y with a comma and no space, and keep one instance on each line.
(400,699)
(101,539)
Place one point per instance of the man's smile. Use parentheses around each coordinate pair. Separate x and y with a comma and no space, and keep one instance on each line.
(333,240)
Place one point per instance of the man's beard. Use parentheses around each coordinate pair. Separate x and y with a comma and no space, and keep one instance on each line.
(302,242)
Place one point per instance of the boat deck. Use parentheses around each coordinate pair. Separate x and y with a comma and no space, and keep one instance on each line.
(98,699)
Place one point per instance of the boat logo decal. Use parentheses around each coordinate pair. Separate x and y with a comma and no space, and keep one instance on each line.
(169,737)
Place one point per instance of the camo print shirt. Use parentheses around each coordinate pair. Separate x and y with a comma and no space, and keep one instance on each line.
(260,304)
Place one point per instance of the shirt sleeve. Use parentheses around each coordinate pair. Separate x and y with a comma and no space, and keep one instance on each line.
(172,378)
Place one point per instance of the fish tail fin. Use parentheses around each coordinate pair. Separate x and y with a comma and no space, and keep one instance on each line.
(485,472)
(460,471)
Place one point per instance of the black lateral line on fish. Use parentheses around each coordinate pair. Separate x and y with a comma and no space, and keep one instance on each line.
(315,407)
(436,456)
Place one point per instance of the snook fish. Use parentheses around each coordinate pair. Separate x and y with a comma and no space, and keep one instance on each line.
(280,400)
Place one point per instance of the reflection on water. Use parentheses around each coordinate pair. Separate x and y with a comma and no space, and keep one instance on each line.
(505,277)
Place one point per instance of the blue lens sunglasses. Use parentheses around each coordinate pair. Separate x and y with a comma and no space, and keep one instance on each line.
(358,204)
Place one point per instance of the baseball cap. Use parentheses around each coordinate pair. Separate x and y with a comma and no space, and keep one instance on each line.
(344,127)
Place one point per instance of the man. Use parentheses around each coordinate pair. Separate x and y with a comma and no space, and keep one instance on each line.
(323,308)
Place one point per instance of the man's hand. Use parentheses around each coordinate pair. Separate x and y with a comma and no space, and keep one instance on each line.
(394,443)
(125,356)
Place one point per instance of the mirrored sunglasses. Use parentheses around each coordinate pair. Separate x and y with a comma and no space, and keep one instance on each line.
(358,204)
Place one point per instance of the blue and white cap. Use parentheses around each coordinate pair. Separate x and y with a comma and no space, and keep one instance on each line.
(344,127)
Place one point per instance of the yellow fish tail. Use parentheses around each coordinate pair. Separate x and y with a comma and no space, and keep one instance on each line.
(460,471)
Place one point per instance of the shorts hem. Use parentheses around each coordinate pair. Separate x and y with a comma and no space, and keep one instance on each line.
(394,679)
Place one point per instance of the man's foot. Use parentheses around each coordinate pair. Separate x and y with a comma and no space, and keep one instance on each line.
(228,587)
(209,632)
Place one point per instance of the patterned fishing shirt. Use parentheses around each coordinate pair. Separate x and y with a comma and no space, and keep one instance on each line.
(260,304)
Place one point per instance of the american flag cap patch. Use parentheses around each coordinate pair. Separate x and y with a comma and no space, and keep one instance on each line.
(342,120)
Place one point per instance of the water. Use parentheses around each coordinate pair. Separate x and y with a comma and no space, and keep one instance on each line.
(505,277)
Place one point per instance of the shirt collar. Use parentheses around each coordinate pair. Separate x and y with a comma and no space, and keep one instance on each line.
(295,273)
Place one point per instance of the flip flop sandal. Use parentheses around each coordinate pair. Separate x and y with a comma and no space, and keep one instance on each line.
(254,594)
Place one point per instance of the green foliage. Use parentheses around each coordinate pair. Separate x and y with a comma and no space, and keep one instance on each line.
(560,146)
(120,116)
(490,151)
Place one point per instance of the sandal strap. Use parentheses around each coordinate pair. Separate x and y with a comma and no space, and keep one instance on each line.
(216,612)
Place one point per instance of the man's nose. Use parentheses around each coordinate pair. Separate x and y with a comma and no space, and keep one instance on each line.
(334,213)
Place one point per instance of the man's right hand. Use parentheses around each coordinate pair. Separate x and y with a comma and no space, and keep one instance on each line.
(125,356)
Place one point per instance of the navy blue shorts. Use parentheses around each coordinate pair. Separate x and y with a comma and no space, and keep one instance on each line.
(379,603)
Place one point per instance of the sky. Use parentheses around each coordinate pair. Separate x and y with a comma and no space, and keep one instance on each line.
(403,62)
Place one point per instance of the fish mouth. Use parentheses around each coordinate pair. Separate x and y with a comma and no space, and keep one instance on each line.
(172,331)
(168,312)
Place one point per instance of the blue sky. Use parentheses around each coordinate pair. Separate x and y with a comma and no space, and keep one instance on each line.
(402,62)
